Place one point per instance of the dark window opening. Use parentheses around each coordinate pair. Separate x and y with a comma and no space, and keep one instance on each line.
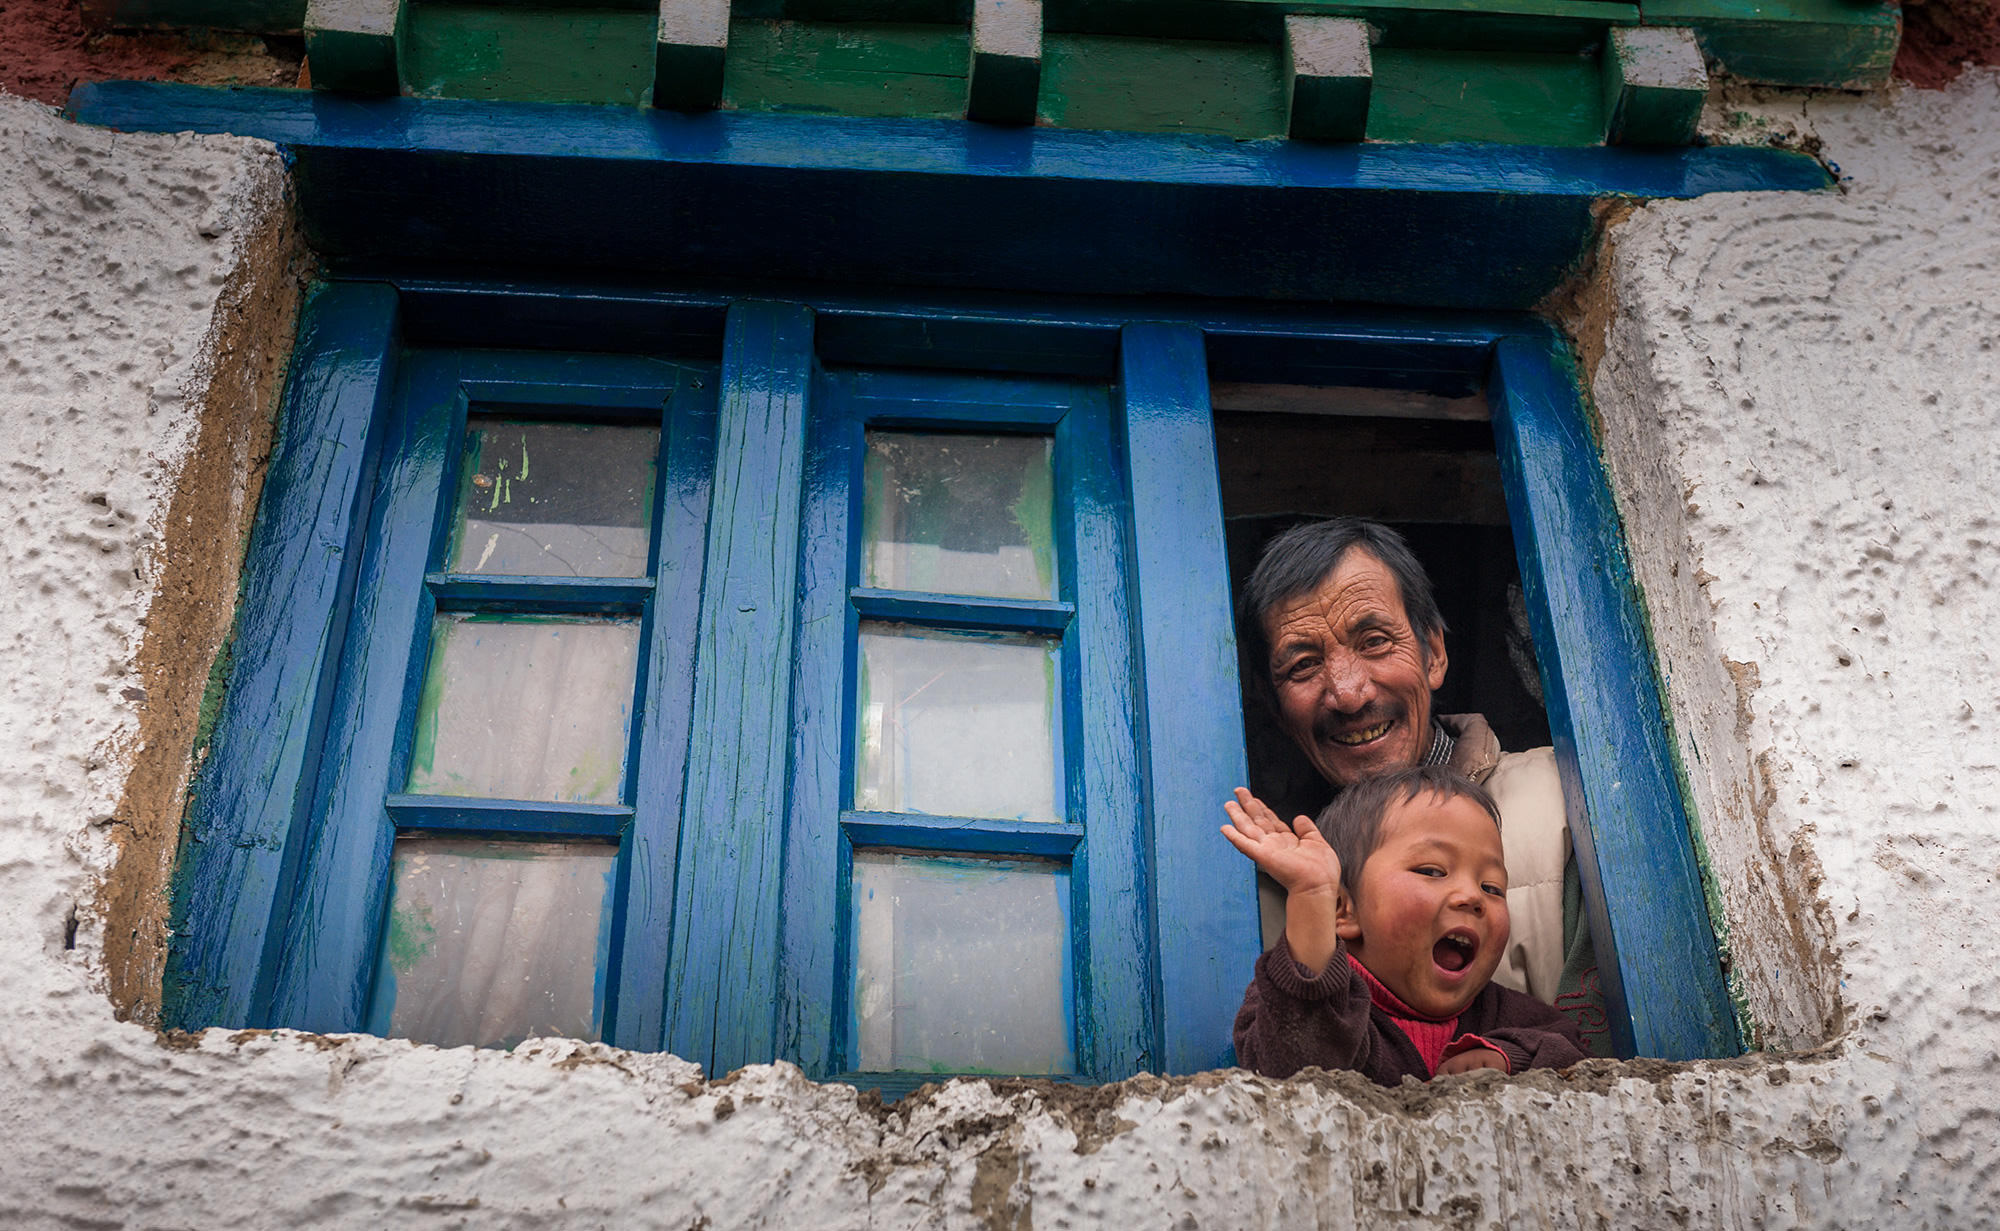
(1423,465)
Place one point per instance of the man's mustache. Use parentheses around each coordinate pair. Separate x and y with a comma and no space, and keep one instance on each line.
(1376,712)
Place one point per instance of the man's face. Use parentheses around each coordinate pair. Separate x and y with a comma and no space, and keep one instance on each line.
(1353,682)
(1429,912)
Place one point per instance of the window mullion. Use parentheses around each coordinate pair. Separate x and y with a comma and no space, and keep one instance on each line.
(1206,901)
(660,757)
(1119,1027)
(816,865)
(723,969)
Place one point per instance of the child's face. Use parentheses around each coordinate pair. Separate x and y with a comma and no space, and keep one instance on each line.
(1429,913)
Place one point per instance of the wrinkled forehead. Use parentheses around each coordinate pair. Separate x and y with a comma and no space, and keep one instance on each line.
(1358,588)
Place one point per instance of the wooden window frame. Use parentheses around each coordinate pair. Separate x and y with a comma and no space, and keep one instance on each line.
(248,861)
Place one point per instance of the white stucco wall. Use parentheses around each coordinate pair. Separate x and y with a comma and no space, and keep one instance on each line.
(1798,397)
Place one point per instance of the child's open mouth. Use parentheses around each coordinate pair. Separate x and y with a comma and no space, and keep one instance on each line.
(1455,950)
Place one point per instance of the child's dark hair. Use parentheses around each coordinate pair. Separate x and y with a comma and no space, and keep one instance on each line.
(1352,823)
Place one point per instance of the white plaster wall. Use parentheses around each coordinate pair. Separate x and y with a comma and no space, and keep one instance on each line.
(1797,397)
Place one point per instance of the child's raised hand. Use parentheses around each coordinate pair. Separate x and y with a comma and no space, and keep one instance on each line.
(1295,855)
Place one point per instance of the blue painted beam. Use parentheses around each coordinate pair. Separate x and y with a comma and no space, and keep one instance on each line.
(722,975)
(246,811)
(1656,951)
(1205,900)
(759,195)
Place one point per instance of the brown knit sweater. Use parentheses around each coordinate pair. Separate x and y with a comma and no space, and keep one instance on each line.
(1293,1019)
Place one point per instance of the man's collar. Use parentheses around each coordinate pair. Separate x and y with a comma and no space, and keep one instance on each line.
(1475,749)
(1442,746)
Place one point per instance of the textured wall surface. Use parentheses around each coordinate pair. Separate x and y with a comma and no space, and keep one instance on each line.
(1797,396)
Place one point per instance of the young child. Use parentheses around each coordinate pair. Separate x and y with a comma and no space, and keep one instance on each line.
(1395,918)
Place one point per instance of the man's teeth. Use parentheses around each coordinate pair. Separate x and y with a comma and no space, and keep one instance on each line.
(1362,736)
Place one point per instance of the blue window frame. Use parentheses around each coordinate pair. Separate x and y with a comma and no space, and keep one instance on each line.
(1089,836)
(731,924)
(324,976)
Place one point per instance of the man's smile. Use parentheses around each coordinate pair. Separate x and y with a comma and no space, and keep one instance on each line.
(1362,735)
(1364,726)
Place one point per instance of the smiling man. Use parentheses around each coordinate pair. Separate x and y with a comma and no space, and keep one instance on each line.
(1344,620)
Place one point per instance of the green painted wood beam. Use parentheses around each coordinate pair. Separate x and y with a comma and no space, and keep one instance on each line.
(1511,97)
(1163,86)
(529,54)
(1837,44)
(1328,74)
(1006,74)
(899,71)
(688,54)
(352,45)
(1655,83)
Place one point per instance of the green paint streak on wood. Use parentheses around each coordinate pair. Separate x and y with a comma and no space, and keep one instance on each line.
(874,70)
(529,54)
(1831,43)
(1834,57)
(1163,85)
(1526,98)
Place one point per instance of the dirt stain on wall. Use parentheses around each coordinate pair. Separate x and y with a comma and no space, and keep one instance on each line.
(199,561)
(51,46)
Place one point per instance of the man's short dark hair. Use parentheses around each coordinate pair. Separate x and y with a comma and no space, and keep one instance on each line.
(1297,561)
(1352,823)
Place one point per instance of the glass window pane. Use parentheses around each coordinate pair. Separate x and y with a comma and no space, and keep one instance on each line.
(957,724)
(961,965)
(518,707)
(959,514)
(554,499)
(489,943)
